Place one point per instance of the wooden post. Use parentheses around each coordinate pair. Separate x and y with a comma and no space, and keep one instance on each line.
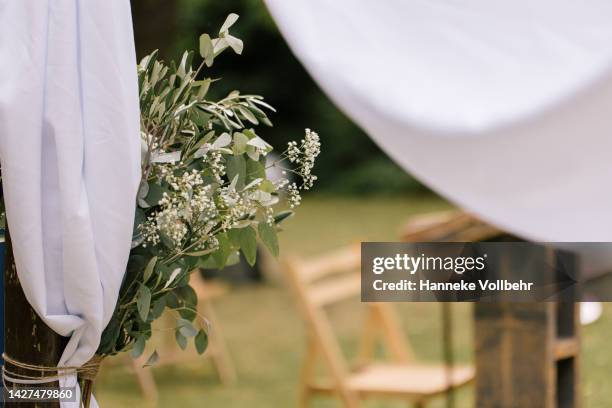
(27,338)
(527,354)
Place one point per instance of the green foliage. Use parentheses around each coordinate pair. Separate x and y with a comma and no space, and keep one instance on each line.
(204,192)
(267,233)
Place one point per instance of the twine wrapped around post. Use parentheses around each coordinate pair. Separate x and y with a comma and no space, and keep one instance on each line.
(38,374)
(87,374)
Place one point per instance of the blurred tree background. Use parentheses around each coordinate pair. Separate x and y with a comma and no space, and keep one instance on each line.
(350,163)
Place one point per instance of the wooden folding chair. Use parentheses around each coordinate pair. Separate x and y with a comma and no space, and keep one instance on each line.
(334,277)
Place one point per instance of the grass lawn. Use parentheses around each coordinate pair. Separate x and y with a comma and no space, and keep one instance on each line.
(266,336)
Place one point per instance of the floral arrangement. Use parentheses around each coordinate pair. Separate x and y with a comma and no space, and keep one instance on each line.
(204,194)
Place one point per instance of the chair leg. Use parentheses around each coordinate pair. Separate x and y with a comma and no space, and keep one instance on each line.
(305,395)
(307,372)
(145,379)
(218,351)
(349,399)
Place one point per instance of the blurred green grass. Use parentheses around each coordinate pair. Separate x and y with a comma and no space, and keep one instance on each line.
(266,337)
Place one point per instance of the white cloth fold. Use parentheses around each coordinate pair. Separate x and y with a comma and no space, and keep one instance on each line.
(70,155)
(505,108)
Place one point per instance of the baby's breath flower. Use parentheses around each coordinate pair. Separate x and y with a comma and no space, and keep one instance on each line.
(304,155)
(294,195)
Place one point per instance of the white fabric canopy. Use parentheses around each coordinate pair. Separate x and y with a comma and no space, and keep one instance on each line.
(70,154)
(504,107)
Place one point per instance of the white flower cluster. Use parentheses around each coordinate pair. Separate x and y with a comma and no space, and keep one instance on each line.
(191,212)
(189,205)
(215,160)
(295,198)
(236,206)
(305,155)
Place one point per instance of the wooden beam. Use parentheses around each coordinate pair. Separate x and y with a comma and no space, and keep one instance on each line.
(27,338)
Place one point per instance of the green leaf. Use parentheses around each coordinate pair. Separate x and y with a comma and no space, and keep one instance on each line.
(206,49)
(223,140)
(234,43)
(143,302)
(110,336)
(259,143)
(139,346)
(166,240)
(149,269)
(158,307)
(255,170)
(153,358)
(267,186)
(282,216)
(246,239)
(180,339)
(233,258)
(187,294)
(248,114)
(172,301)
(204,86)
(236,166)
(185,327)
(240,143)
(201,342)
(229,21)
(267,234)
(156,192)
(221,254)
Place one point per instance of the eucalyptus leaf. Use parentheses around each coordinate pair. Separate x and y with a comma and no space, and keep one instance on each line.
(156,193)
(201,342)
(206,49)
(246,239)
(220,256)
(248,114)
(267,186)
(267,233)
(149,269)
(229,21)
(172,277)
(139,346)
(240,143)
(282,216)
(255,170)
(236,166)
(185,327)
(181,340)
(222,141)
(144,302)
(153,358)
(234,43)
(158,307)
(259,143)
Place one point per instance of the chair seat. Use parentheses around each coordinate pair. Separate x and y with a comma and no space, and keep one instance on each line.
(414,380)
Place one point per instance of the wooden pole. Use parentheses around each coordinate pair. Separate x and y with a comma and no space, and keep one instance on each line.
(26,337)
(527,354)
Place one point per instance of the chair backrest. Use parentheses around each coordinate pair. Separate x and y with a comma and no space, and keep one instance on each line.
(330,278)
(335,276)
(449,226)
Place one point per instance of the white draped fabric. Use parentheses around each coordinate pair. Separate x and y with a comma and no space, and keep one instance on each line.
(70,155)
(504,107)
